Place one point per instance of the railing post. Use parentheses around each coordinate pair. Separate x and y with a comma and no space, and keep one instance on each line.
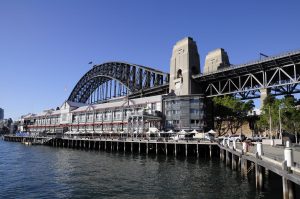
(259,149)
(234,145)
(245,148)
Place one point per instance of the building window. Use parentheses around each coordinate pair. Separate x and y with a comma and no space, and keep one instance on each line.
(179,73)
(195,122)
(175,121)
(169,122)
(64,117)
(175,112)
(169,113)
(153,106)
(194,111)
(194,101)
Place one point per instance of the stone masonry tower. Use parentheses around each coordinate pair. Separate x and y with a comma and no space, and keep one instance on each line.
(184,63)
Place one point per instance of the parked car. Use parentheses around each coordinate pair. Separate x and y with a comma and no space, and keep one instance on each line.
(209,136)
(237,138)
(255,138)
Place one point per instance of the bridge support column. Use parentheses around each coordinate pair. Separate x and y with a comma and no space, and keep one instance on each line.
(264,92)
(105,145)
(156,148)
(111,145)
(210,153)
(197,150)
(131,147)
(117,145)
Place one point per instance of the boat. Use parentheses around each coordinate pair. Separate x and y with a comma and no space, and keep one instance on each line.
(27,143)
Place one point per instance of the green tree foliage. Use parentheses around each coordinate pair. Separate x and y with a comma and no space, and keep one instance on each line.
(289,115)
(269,118)
(230,113)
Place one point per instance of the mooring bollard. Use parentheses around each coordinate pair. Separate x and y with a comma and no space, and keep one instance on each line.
(272,142)
(228,143)
(245,148)
(287,144)
(288,157)
(259,149)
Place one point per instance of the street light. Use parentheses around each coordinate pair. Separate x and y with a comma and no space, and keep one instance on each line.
(281,106)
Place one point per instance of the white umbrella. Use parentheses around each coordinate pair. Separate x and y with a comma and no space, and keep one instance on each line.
(182,132)
(212,131)
(194,131)
(170,131)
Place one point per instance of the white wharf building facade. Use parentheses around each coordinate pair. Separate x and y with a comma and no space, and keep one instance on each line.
(123,115)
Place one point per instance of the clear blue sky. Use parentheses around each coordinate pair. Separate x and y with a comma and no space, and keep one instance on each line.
(45,46)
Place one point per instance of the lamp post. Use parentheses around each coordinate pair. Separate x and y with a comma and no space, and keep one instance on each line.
(281,106)
(280,133)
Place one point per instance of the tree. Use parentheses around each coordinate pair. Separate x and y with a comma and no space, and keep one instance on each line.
(230,113)
(290,116)
(269,118)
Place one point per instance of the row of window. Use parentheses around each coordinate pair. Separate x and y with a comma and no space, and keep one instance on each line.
(176,122)
(174,102)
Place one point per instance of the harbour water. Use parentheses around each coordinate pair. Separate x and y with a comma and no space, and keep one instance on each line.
(48,172)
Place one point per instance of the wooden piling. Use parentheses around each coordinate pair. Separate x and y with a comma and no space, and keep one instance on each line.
(166,148)
(186,150)
(175,150)
(139,147)
(147,148)
(233,162)
(227,158)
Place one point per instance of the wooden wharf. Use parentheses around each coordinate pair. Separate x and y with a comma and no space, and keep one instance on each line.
(236,156)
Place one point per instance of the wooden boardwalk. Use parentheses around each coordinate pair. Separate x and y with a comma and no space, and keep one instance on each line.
(272,159)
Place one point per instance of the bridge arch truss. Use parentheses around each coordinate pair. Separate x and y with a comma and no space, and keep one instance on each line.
(115,79)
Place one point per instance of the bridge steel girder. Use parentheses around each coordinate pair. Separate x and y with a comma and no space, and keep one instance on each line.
(135,78)
(280,75)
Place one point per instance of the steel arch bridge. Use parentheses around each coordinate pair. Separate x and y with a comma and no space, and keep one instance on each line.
(115,79)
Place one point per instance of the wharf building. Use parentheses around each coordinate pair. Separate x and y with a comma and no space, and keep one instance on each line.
(1,114)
